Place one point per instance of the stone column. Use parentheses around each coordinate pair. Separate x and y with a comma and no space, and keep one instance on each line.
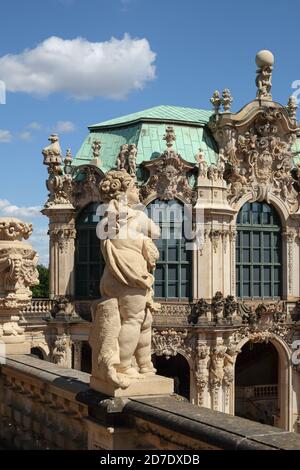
(17,273)
(62,249)
(77,354)
(202,374)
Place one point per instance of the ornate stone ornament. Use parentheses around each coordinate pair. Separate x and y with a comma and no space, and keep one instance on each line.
(264,61)
(257,144)
(58,184)
(168,342)
(168,175)
(60,350)
(202,372)
(18,273)
(62,236)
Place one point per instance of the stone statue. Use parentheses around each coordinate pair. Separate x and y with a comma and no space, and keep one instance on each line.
(121,334)
(202,165)
(132,159)
(122,157)
(264,61)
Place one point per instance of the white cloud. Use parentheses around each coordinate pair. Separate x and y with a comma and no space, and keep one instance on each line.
(9,210)
(25,135)
(5,136)
(64,126)
(35,126)
(83,69)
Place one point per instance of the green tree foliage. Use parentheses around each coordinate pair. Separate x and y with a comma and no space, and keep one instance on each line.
(42,290)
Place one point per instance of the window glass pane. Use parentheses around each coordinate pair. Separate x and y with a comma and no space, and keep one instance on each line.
(158,273)
(82,237)
(256,239)
(267,290)
(267,240)
(185,290)
(246,239)
(246,290)
(267,274)
(246,255)
(256,290)
(172,254)
(172,273)
(158,290)
(277,274)
(246,274)
(256,274)
(256,256)
(276,288)
(185,273)
(172,290)
(267,256)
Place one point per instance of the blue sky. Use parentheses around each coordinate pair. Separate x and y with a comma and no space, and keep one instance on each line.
(175,52)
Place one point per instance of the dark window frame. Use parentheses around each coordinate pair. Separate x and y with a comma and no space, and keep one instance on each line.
(258,252)
(86,285)
(180,263)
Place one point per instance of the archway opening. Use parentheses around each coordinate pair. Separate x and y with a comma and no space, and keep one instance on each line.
(256,383)
(178,369)
(37,352)
(86,357)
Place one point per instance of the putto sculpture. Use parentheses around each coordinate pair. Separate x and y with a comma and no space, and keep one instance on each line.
(121,332)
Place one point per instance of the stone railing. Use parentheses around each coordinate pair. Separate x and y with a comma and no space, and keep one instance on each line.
(257,391)
(43,406)
(38,307)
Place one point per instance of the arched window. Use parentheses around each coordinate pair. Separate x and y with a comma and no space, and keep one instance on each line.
(258,251)
(89,262)
(173,274)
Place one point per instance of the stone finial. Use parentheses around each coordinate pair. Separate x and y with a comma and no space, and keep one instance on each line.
(292,107)
(52,153)
(216,101)
(68,162)
(227,100)
(264,60)
(169,137)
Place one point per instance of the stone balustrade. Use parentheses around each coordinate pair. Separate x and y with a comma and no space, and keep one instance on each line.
(38,307)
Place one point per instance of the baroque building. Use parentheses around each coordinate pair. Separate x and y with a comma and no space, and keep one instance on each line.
(229,320)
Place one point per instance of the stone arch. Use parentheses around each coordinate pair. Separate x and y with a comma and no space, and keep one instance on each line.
(281,208)
(39,351)
(284,379)
(178,367)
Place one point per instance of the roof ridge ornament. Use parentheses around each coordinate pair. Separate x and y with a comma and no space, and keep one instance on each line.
(264,60)
(169,137)
(216,101)
(227,100)
(96,147)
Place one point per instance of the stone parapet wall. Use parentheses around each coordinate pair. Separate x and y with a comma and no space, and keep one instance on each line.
(43,406)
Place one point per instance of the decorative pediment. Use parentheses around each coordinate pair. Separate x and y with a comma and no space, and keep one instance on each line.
(257,145)
(168,175)
(86,179)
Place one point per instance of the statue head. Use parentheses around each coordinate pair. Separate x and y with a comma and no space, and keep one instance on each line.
(116,185)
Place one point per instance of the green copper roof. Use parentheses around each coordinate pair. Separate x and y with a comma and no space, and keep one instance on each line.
(146,129)
(161,113)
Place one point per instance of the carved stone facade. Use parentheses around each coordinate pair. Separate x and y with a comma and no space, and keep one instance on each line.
(217,166)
